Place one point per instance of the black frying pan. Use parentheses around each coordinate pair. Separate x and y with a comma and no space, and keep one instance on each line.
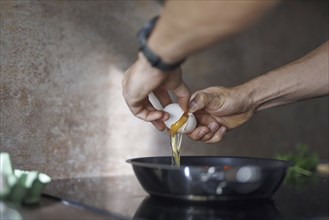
(201,178)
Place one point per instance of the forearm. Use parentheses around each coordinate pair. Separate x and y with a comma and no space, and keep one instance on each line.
(299,80)
(188,26)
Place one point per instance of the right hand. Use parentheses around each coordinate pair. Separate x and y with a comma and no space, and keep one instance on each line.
(141,79)
(217,110)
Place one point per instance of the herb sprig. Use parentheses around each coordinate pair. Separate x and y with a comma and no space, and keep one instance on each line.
(304,163)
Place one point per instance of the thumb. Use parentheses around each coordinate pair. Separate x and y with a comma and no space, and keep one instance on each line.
(198,101)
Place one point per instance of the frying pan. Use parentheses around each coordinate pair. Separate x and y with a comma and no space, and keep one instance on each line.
(203,178)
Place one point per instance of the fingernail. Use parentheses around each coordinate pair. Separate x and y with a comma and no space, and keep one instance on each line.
(214,126)
(193,106)
(222,130)
(203,133)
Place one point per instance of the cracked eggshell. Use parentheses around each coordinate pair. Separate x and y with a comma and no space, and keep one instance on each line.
(175,113)
(189,125)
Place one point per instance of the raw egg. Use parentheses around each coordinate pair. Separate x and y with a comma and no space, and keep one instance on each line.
(179,121)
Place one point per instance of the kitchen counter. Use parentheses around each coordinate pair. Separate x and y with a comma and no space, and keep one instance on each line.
(50,208)
(124,198)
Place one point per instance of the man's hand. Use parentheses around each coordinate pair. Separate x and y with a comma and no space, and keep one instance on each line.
(141,79)
(217,110)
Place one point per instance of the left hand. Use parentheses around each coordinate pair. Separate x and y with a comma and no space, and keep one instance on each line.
(217,110)
(141,79)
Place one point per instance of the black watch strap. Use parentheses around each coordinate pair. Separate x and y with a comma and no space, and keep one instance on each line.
(154,60)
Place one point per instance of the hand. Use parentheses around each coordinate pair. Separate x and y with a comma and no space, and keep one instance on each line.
(217,110)
(141,79)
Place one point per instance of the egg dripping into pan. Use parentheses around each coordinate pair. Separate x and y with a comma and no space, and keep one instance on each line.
(179,123)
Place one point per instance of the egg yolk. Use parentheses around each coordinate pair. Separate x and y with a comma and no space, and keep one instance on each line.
(177,125)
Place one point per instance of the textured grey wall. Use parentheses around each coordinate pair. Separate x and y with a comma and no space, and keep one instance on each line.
(61,68)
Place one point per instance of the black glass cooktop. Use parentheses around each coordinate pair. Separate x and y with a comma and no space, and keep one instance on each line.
(124,197)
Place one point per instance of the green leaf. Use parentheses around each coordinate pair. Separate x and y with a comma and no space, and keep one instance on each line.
(304,162)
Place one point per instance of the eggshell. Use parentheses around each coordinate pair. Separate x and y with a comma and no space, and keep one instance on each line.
(175,113)
(189,125)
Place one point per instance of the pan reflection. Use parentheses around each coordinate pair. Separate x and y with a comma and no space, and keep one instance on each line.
(157,208)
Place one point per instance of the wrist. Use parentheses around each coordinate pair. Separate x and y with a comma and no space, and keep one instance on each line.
(267,91)
(152,54)
(165,43)
(148,72)
(248,96)
(146,68)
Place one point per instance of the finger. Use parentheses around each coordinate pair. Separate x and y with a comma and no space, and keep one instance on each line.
(149,116)
(183,94)
(207,120)
(147,112)
(213,127)
(159,125)
(165,115)
(163,96)
(198,101)
(218,136)
(198,133)
(208,136)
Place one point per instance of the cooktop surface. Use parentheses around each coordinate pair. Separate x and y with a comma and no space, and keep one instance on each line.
(123,196)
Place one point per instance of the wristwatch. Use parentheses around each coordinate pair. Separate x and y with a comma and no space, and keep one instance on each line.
(153,59)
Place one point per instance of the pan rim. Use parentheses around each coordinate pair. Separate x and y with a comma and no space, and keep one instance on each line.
(282,163)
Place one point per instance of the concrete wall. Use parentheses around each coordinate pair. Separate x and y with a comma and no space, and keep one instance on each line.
(60,92)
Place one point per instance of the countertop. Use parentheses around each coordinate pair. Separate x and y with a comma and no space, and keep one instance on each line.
(121,197)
